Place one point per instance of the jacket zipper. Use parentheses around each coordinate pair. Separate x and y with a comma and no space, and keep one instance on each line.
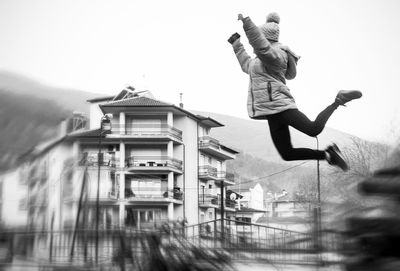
(269,87)
(252,96)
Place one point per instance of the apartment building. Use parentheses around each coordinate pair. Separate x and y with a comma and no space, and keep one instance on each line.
(157,163)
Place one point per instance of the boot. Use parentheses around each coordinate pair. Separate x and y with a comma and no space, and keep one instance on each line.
(335,157)
(345,96)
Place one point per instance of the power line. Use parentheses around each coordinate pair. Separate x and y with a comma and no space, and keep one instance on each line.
(273,174)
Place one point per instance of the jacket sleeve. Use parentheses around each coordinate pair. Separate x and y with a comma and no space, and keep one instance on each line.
(262,47)
(242,56)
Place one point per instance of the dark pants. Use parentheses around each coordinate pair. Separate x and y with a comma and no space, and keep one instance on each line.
(279,128)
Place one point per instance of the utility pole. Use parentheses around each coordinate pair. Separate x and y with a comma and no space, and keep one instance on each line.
(222,211)
(99,161)
(105,126)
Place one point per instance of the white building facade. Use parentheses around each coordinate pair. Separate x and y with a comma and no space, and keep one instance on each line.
(157,164)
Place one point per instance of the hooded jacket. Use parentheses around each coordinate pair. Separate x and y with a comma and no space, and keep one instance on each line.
(268,93)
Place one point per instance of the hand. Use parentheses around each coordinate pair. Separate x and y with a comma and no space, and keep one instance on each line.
(240,17)
(233,38)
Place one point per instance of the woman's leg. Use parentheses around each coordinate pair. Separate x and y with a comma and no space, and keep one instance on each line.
(299,121)
(281,137)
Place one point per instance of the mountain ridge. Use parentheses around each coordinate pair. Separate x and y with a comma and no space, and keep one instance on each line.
(29,102)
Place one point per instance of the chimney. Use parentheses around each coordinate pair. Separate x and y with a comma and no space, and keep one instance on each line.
(180,96)
(63,128)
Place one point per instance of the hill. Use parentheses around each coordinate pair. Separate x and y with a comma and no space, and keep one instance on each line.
(31,112)
(68,99)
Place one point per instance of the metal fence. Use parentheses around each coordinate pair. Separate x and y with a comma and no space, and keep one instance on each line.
(174,244)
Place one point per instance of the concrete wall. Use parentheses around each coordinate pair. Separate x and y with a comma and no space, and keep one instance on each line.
(13,213)
(95,115)
(189,127)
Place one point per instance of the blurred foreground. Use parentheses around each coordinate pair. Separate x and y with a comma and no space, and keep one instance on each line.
(370,242)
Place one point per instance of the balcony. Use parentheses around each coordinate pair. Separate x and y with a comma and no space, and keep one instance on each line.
(212,147)
(155,131)
(208,201)
(105,195)
(228,178)
(148,194)
(108,189)
(214,201)
(154,164)
(93,161)
(208,173)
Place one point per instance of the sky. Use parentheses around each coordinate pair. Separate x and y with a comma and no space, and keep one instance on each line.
(178,46)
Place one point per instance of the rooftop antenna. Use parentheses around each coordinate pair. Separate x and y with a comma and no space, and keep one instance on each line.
(180,97)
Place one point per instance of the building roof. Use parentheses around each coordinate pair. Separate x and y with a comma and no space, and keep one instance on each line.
(243,185)
(85,133)
(209,121)
(136,101)
(143,101)
(39,149)
(100,99)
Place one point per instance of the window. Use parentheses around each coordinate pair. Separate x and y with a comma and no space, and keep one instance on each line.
(148,187)
(142,218)
(144,126)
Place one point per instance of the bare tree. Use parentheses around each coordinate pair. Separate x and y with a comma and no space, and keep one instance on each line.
(364,158)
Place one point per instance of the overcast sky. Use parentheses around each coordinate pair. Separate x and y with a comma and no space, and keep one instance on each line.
(180,46)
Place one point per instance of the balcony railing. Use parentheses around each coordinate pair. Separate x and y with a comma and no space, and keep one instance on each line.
(153,193)
(209,199)
(213,147)
(207,141)
(104,194)
(93,161)
(147,130)
(208,171)
(154,162)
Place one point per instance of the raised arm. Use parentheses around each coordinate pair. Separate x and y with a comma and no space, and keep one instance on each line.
(262,47)
(241,54)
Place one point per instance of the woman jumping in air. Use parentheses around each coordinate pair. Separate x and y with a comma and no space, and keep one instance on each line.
(269,98)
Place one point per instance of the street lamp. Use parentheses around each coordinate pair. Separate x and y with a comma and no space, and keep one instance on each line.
(105,127)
